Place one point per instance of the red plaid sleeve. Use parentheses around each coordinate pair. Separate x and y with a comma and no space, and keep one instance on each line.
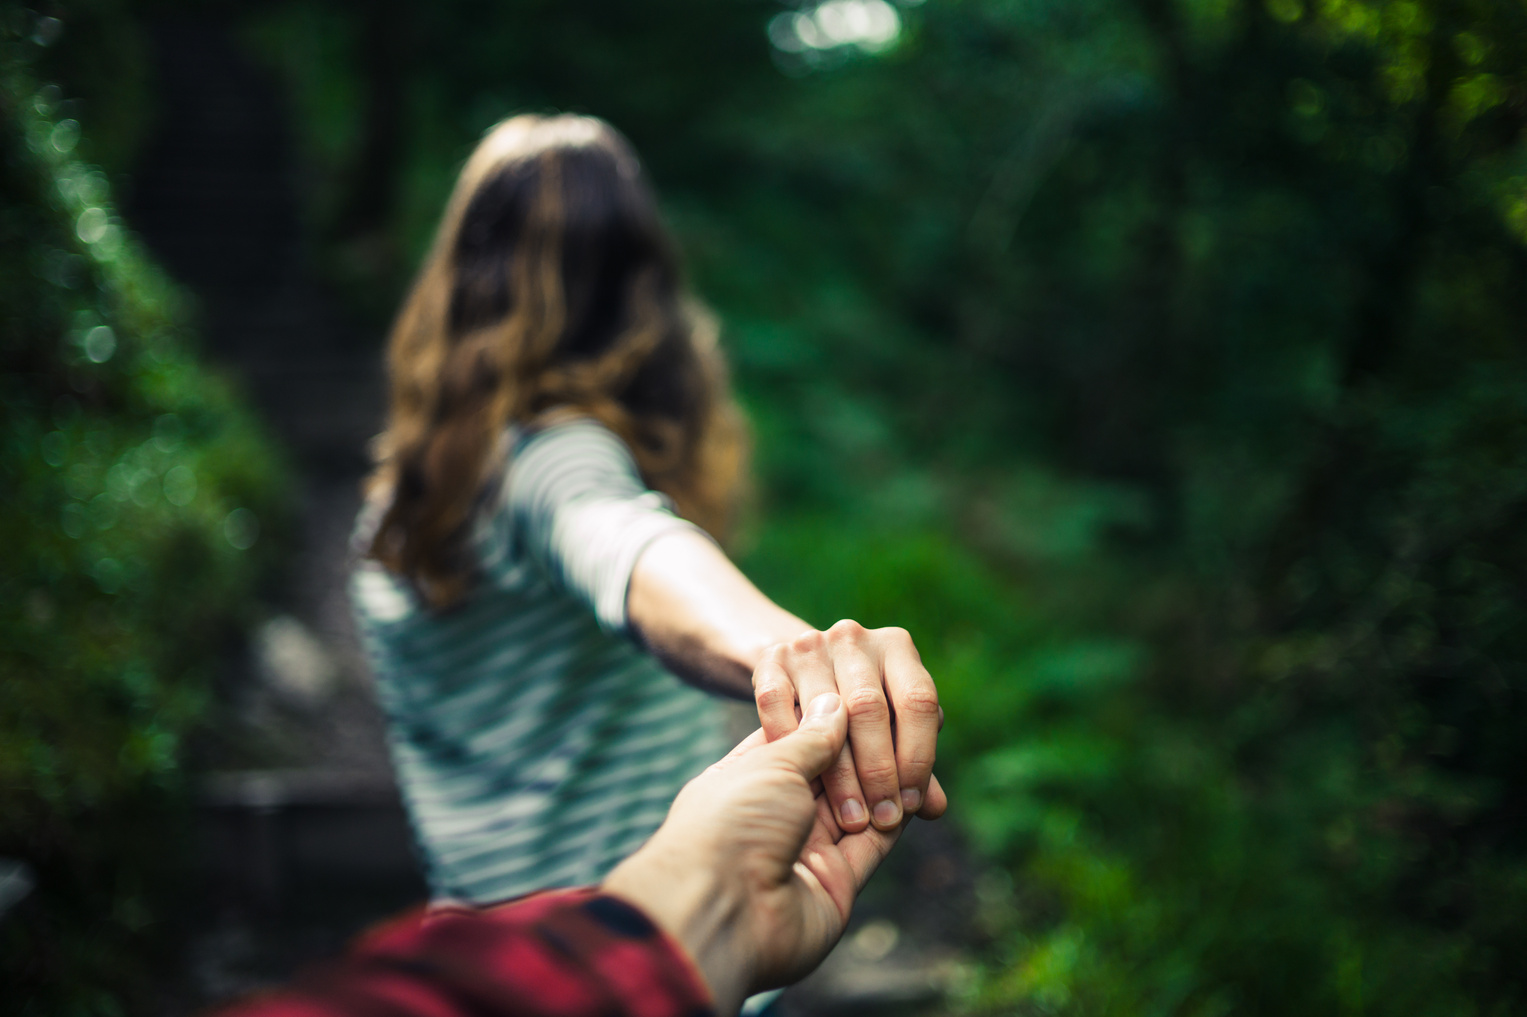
(571,953)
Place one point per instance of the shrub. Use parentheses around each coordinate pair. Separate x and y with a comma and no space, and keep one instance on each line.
(140,500)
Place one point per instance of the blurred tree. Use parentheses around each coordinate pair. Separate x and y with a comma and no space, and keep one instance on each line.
(136,493)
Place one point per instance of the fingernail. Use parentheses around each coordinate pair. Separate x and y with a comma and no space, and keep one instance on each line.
(887,814)
(851,811)
(911,799)
(824,705)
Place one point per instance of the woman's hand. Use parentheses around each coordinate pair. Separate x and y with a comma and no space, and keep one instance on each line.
(886,769)
(713,628)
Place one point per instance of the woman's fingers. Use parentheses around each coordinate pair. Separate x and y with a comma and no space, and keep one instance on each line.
(936,802)
(825,828)
(840,786)
(885,770)
(774,692)
(857,670)
(914,701)
(811,666)
(797,673)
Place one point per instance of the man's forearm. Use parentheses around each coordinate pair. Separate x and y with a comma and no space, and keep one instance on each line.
(701,616)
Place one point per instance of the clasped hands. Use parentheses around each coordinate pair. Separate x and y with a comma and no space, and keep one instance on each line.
(885,772)
(754,872)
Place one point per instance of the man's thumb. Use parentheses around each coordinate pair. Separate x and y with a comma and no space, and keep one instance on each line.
(812,747)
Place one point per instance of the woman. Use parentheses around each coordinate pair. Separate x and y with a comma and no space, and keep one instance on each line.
(560,444)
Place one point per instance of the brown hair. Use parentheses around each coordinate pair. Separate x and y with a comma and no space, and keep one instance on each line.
(552,290)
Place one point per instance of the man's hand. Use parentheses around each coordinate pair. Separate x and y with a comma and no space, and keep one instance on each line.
(750,872)
(886,770)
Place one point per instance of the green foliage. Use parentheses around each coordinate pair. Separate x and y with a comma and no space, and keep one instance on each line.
(140,504)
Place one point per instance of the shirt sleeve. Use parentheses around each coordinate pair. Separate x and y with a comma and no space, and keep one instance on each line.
(579,507)
(569,953)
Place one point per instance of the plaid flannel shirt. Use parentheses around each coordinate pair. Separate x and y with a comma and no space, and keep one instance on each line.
(568,953)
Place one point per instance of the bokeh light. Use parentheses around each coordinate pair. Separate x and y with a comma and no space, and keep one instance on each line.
(869,25)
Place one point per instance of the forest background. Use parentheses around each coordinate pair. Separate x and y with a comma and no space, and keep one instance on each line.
(1159,364)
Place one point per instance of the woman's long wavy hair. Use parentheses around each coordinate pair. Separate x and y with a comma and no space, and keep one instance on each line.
(552,290)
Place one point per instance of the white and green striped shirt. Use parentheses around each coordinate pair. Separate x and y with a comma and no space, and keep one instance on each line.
(535,744)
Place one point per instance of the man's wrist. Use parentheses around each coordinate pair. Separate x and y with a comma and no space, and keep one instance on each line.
(689,900)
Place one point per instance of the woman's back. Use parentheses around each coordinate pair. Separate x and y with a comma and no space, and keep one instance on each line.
(536,744)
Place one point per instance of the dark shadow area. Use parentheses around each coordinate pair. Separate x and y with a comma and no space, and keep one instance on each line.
(302,839)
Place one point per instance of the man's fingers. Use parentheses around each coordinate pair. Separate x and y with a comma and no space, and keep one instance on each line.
(748,744)
(914,700)
(842,870)
(824,828)
(865,851)
(811,748)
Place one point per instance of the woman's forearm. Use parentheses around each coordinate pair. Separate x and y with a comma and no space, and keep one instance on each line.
(714,629)
(701,616)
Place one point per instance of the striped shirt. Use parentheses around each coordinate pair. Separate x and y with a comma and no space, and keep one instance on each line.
(536,745)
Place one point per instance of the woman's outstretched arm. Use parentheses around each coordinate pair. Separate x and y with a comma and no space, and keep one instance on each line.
(581,509)
(701,616)
(706,621)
